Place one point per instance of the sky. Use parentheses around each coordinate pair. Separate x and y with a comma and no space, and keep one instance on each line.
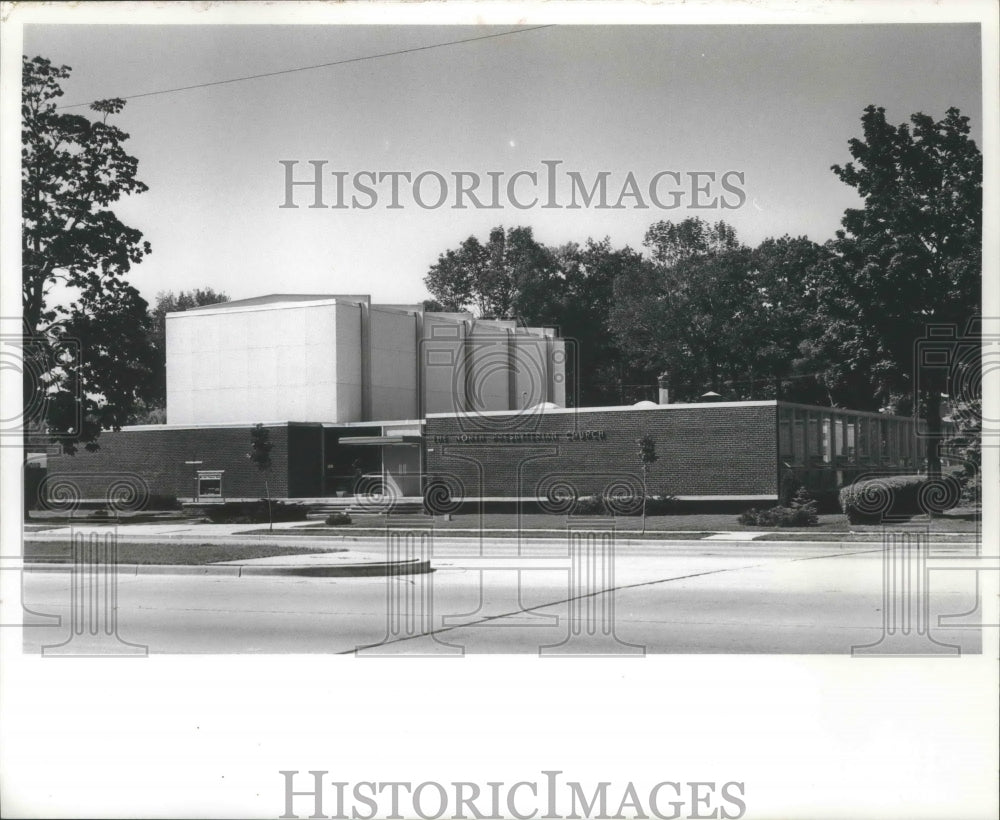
(776,103)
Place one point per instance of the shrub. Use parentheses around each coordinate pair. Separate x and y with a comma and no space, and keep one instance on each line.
(789,485)
(624,505)
(253,512)
(804,509)
(869,500)
(753,517)
(972,488)
(163,501)
(337,519)
(777,517)
(662,505)
(655,505)
(589,505)
(800,513)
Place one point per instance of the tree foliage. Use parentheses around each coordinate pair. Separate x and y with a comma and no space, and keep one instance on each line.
(90,325)
(671,242)
(910,258)
(834,324)
(716,315)
(967,446)
(647,458)
(260,457)
(681,315)
(597,366)
(260,447)
(510,275)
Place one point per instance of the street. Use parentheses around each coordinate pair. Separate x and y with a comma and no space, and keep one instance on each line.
(668,597)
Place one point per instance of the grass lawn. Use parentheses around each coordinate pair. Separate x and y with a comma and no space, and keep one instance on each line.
(701,522)
(62,519)
(364,529)
(694,525)
(60,552)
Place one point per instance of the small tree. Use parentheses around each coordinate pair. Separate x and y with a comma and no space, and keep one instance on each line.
(647,457)
(260,454)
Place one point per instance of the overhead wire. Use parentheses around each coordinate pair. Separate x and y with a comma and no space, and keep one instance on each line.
(346,61)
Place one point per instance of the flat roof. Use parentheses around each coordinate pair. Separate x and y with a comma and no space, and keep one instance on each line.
(223,425)
(275,298)
(617,408)
(531,411)
(651,406)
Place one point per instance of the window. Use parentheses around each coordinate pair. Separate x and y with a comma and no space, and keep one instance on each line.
(799,438)
(785,449)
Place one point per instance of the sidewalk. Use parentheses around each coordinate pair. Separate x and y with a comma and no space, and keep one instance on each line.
(304,531)
(171,530)
(332,563)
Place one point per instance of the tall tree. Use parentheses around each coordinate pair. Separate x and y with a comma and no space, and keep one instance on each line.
(910,258)
(600,372)
(687,320)
(511,276)
(783,278)
(682,311)
(86,328)
(671,242)
(716,315)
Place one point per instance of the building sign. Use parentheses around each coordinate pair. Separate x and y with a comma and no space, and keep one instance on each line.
(519,438)
(209,484)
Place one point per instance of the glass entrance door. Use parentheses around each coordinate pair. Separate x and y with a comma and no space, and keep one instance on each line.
(401,463)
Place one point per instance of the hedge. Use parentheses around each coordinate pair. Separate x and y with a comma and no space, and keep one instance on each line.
(624,505)
(252,512)
(872,500)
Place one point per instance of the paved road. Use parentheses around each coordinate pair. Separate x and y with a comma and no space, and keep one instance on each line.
(676,597)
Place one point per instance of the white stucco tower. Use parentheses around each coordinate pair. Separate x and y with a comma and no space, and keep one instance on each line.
(339,358)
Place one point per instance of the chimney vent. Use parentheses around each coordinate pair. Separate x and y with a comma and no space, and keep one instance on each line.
(663,380)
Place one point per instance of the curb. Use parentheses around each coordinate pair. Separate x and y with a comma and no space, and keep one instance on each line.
(373,569)
(649,535)
(662,537)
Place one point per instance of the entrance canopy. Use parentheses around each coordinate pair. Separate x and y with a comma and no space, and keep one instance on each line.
(379,441)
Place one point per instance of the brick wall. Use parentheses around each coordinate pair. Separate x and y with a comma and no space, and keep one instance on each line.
(702,451)
(158,456)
